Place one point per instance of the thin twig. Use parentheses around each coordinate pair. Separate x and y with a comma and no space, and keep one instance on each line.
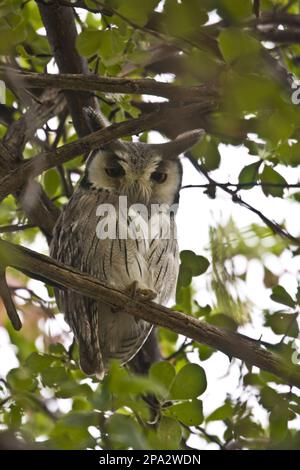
(15,228)
(8,302)
(239,186)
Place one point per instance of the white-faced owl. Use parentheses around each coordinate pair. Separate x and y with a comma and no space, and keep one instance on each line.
(139,173)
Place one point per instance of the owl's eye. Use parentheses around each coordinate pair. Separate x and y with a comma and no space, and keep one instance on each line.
(159,177)
(115,171)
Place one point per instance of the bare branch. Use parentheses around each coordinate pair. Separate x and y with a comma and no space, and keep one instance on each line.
(145,86)
(239,186)
(8,302)
(15,228)
(61,33)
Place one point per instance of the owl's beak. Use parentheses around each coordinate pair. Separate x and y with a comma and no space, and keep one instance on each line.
(138,192)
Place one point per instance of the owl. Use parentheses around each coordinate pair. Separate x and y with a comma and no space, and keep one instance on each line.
(145,265)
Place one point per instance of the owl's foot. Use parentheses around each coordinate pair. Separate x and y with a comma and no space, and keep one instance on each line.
(140,293)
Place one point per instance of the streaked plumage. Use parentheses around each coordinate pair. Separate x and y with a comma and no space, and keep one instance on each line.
(104,333)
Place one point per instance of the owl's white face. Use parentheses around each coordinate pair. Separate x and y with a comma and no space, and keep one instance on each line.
(137,171)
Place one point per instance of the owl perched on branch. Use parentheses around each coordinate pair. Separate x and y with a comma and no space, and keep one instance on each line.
(104,231)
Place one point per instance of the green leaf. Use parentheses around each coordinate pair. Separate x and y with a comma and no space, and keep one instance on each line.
(234,10)
(88,42)
(269,398)
(190,382)
(249,174)
(253,379)
(279,422)
(38,362)
(137,11)
(284,324)
(205,352)
(57,348)
(71,388)
(168,434)
(189,413)
(281,296)
(21,379)
(111,47)
(248,428)
(207,151)
(269,175)
(222,413)
(54,376)
(124,432)
(195,263)
(289,153)
(71,431)
(109,43)
(222,320)
(163,373)
(121,383)
(279,126)
(51,180)
(184,18)
(80,419)
(236,44)
(15,416)
(11,35)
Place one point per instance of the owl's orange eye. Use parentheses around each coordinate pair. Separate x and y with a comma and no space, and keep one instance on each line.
(159,177)
(115,171)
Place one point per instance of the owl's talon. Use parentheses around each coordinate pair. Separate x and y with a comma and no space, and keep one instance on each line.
(146,294)
(140,293)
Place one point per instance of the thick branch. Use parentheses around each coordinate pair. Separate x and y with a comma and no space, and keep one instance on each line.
(112,85)
(232,344)
(61,33)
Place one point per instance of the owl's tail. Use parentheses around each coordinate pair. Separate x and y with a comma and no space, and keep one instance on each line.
(90,356)
(91,362)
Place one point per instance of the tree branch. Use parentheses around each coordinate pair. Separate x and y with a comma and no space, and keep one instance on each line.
(61,33)
(15,228)
(247,185)
(145,86)
(232,344)
(8,302)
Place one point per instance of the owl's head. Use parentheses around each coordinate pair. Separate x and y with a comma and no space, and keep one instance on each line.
(145,173)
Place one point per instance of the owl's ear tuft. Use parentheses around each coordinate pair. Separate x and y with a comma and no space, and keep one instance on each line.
(94,119)
(182,143)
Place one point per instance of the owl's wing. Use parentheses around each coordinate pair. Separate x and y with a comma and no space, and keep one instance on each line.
(73,238)
(162,261)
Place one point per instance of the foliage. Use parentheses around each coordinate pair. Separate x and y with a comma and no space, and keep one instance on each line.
(45,398)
